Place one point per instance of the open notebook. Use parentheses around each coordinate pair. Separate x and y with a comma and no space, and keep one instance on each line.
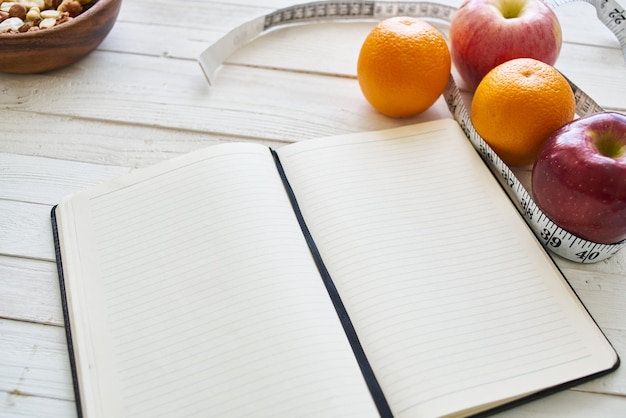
(395,278)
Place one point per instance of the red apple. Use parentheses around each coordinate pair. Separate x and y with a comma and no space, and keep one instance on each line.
(486,33)
(579,177)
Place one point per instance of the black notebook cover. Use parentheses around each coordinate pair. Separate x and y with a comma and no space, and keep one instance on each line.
(64,307)
(368,374)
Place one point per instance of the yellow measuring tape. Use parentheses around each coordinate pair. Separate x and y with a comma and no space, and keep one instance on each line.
(553,237)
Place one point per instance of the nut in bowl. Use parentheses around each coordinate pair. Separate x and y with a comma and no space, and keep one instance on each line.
(43,35)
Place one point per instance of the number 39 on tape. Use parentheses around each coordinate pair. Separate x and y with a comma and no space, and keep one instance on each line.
(556,239)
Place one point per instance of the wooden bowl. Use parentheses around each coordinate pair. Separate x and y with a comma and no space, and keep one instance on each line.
(58,46)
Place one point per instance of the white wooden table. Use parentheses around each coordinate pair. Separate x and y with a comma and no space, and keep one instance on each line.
(141,98)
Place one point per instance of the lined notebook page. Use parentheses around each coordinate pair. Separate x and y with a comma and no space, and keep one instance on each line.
(199,296)
(453,300)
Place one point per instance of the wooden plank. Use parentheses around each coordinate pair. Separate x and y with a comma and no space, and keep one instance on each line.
(580,25)
(161,28)
(602,295)
(45,180)
(298,48)
(89,140)
(603,76)
(25,230)
(615,265)
(578,20)
(246,102)
(29,291)
(14,404)
(34,360)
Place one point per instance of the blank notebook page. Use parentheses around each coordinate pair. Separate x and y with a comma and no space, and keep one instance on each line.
(444,282)
(201,297)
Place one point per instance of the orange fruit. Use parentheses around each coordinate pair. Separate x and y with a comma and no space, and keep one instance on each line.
(518,104)
(403,66)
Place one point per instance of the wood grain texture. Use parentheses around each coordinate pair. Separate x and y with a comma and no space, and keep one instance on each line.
(141,98)
(35,361)
(31,291)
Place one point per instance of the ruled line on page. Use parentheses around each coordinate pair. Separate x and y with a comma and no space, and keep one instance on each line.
(213,297)
(417,236)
